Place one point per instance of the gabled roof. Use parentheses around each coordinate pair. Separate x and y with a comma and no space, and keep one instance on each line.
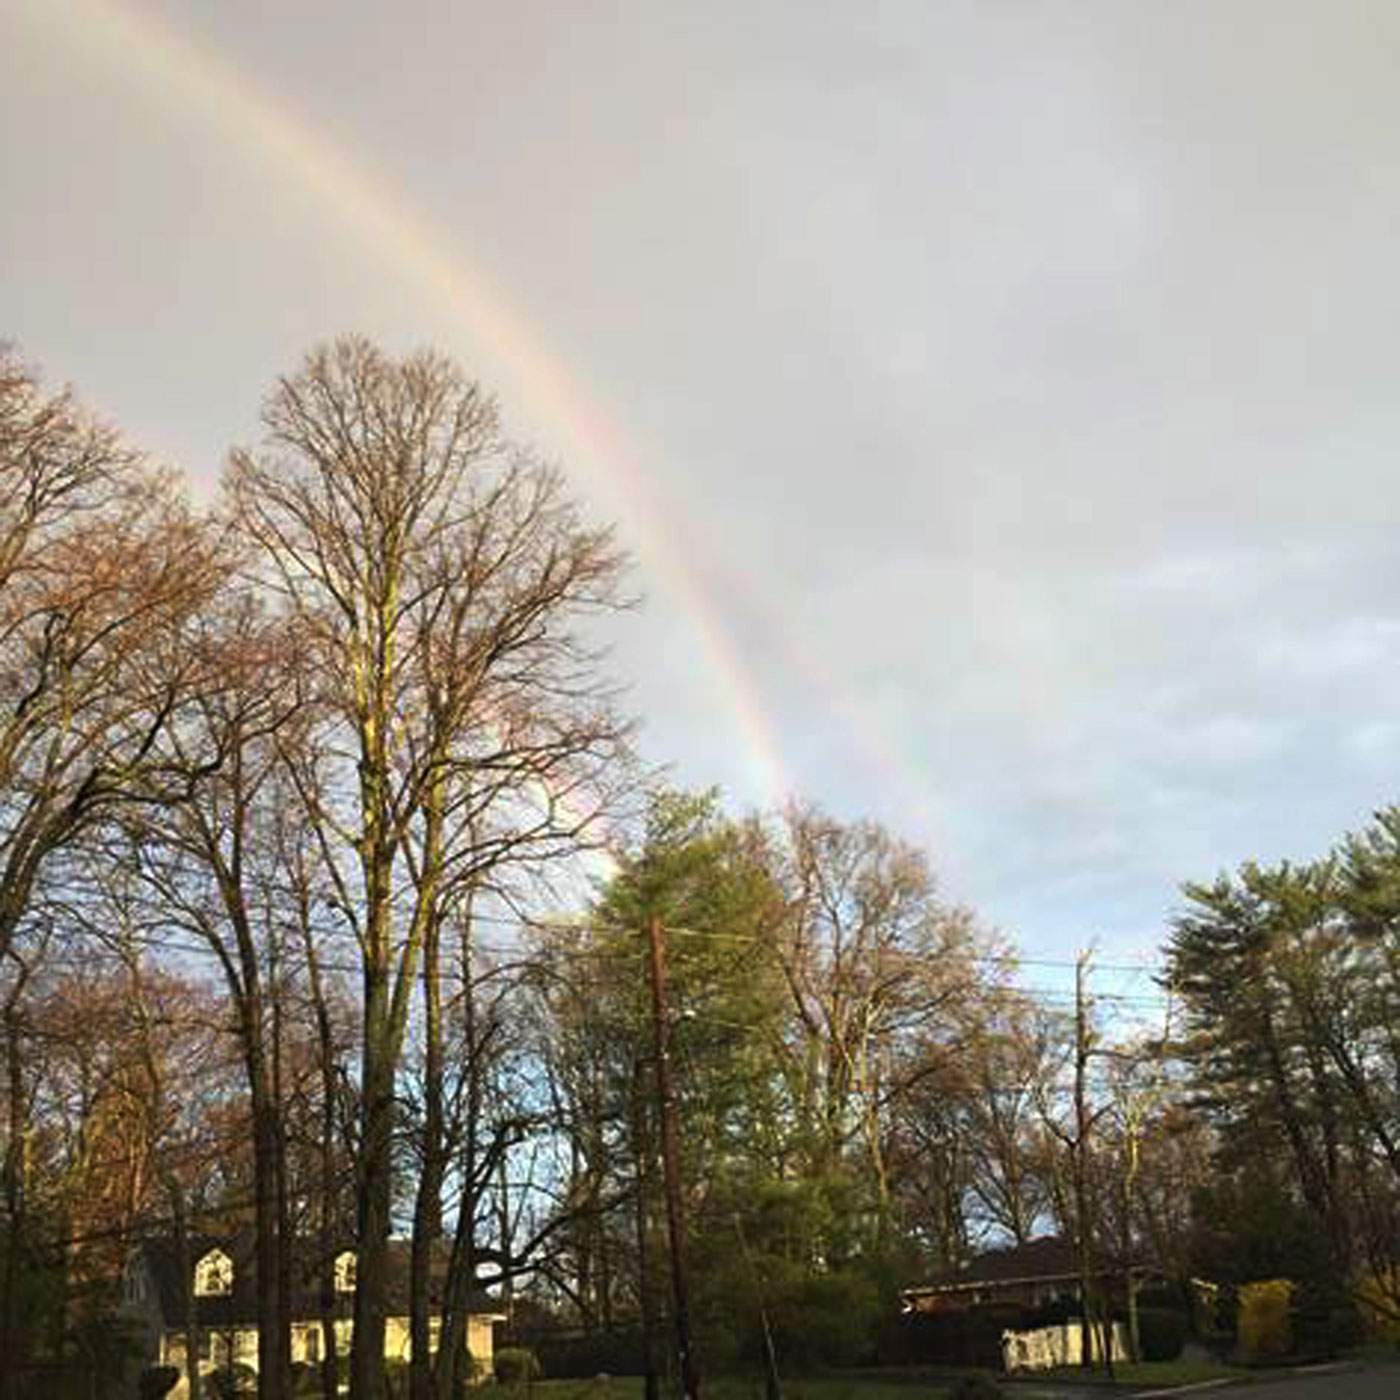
(240,1307)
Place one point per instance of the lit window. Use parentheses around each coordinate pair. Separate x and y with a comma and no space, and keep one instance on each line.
(345,1271)
(213,1275)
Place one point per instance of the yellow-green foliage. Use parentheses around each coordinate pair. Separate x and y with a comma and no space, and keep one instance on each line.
(1263,1326)
(1378,1300)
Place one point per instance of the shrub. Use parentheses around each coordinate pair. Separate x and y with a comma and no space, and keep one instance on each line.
(1164,1295)
(822,1322)
(1378,1298)
(583,1355)
(965,1337)
(230,1382)
(1162,1332)
(156,1381)
(306,1379)
(1264,1328)
(1325,1320)
(978,1387)
(516,1365)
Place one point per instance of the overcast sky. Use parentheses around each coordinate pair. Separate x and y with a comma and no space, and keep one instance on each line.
(999,398)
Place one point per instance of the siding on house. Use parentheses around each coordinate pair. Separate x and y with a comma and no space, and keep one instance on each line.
(155,1298)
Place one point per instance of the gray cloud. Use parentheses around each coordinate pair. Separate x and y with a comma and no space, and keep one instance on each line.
(1017,380)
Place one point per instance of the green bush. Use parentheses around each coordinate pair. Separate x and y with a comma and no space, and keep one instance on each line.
(516,1365)
(230,1382)
(1162,1332)
(823,1322)
(1164,1295)
(1325,1323)
(979,1387)
(306,1379)
(583,1355)
(156,1381)
(965,1337)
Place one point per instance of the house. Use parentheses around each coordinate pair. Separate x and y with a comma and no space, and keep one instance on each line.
(1031,1274)
(223,1287)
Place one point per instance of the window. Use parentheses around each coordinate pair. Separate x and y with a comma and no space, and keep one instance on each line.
(345,1271)
(213,1275)
(310,1339)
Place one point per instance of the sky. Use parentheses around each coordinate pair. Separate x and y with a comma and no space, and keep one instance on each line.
(997,398)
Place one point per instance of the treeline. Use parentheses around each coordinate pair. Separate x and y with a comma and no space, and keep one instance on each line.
(1289,980)
(286,788)
(258,769)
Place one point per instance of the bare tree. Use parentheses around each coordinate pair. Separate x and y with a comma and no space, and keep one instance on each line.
(436,573)
(99,564)
(210,860)
(880,972)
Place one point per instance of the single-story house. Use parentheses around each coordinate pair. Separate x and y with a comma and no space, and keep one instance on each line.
(223,1286)
(1036,1272)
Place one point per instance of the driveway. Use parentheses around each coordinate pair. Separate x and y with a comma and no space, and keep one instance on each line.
(1339,1382)
(1335,1382)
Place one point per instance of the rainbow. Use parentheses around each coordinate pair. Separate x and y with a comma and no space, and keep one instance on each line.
(369,209)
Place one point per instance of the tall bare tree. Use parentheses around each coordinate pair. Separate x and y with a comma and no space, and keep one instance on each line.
(100,563)
(101,566)
(881,972)
(437,573)
(210,858)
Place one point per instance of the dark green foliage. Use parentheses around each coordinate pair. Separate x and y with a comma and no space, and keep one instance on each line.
(1162,1333)
(1290,986)
(979,1387)
(1250,1226)
(516,1365)
(156,1381)
(230,1382)
(579,1356)
(1325,1320)
(967,1337)
(1165,1295)
(827,1320)
(760,1255)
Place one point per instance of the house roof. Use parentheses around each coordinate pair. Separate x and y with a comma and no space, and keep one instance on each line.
(1048,1258)
(240,1306)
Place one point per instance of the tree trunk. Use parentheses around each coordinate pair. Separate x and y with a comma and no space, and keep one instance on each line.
(646,1295)
(14,1184)
(427,1210)
(185,1264)
(374,1188)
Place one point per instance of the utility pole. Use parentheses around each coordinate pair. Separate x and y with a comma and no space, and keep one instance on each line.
(1081,1164)
(670,1163)
(1093,1311)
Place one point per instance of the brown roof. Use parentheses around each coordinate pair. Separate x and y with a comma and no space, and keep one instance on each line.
(1048,1258)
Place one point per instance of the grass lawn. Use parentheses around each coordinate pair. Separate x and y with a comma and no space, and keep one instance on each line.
(721,1388)
(1147,1374)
